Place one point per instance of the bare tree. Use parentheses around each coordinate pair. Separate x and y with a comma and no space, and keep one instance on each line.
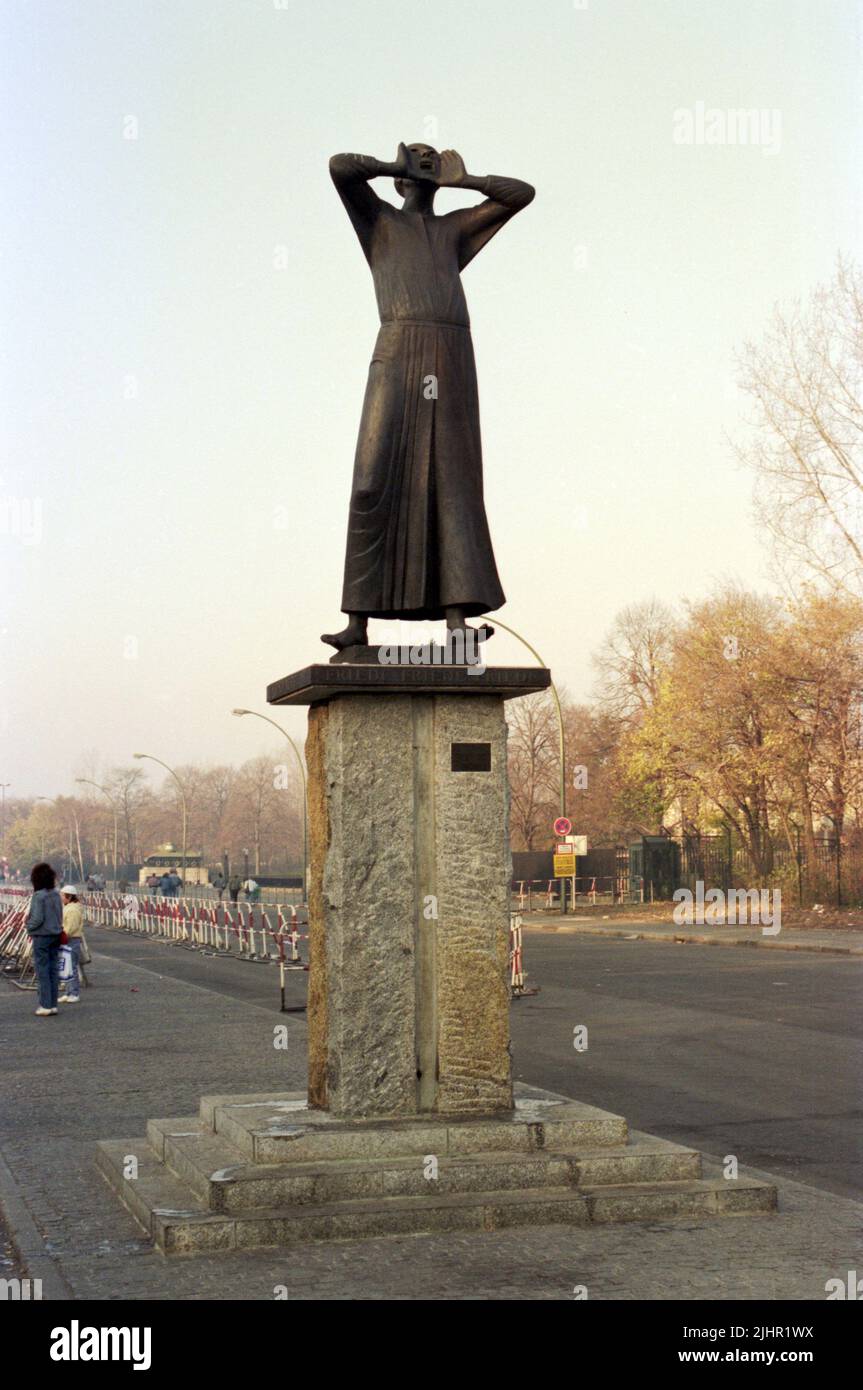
(217,789)
(533,759)
(806,379)
(257,807)
(128,786)
(630,663)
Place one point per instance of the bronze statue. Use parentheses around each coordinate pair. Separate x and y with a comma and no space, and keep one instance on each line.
(418,541)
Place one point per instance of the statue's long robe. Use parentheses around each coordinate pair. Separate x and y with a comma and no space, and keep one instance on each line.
(418,539)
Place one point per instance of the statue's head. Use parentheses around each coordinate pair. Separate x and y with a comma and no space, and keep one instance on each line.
(426,161)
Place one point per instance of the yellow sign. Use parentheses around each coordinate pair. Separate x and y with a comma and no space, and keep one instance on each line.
(564,865)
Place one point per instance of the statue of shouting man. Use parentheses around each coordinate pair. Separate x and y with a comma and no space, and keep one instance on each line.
(418,541)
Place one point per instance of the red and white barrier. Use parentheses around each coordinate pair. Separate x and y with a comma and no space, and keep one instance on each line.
(254,931)
(251,930)
(16,954)
(516,958)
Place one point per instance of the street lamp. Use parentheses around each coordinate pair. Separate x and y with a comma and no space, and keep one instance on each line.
(267,720)
(42,829)
(87,781)
(70,861)
(182,797)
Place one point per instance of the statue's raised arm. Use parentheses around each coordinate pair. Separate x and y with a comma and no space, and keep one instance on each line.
(477,225)
(352,175)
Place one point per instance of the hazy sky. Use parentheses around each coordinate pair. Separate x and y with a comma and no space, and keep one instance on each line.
(188,321)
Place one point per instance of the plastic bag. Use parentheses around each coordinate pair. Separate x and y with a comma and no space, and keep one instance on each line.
(65,962)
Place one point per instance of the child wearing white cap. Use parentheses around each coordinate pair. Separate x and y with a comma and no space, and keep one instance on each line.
(73,926)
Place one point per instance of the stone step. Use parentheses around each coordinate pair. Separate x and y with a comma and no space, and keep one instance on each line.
(710,1196)
(283,1129)
(644,1159)
(190,1125)
(177,1222)
(154,1189)
(220,1178)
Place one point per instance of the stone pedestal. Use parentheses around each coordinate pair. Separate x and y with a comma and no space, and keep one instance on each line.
(409,1125)
(267,1170)
(409,890)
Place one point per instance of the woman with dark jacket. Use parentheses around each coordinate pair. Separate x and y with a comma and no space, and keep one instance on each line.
(44,924)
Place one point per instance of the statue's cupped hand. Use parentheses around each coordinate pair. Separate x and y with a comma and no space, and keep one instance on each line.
(452,170)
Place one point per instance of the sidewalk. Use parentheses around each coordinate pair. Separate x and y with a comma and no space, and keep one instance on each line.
(141,1046)
(835,941)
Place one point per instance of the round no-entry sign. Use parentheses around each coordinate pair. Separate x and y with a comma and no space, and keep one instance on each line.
(562,826)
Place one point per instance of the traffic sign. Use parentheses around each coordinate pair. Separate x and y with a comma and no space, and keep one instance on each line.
(564,865)
(577,843)
(562,825)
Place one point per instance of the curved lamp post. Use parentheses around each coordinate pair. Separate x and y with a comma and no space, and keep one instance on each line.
(182,797)
(284,732)
(87,781)
(511,630)
(71,859)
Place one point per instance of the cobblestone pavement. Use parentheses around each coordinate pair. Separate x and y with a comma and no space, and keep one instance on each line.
(142,1045)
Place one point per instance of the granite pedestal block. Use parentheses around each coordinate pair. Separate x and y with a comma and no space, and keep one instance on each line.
(409,886)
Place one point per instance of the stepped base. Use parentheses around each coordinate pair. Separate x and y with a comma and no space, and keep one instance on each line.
(253,1171)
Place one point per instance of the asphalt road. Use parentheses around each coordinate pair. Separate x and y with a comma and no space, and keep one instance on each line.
(743,1051)
(739,1051)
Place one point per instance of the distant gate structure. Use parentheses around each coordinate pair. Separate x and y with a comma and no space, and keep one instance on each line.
(168,858)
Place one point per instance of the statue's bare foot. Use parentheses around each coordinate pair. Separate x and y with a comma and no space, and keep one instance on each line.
(354,635)
(455,621)
(481,633)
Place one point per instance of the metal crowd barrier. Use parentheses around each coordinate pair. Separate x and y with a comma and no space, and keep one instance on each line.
(247,931)
(261,934)
(16,954)
(517,987)
(259,931)
(206,893)
(541,894)
(530,895)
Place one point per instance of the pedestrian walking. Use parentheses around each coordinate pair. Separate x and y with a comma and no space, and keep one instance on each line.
(253,890)
(45,926)
(176,883)
(235,883)
(165,885)
(219,883)
(73,926)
